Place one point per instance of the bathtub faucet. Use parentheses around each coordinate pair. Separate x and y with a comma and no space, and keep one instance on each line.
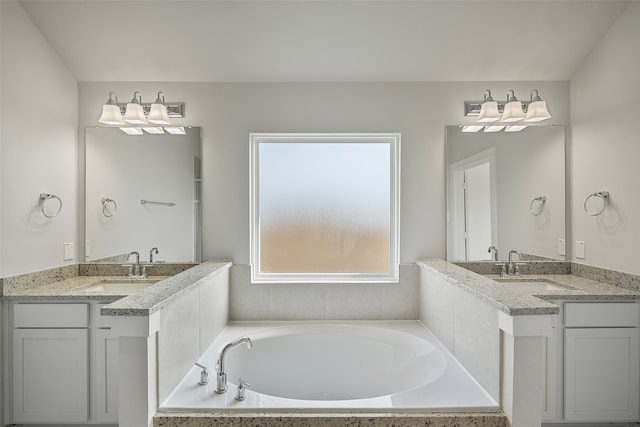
(221,386)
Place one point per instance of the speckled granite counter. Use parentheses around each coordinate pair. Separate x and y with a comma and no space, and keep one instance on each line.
(332,420)
(154,298)
(515,302)
(65,284)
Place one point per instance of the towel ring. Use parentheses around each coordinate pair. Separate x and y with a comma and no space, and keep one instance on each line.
(604,195)
(105,207)
(44,197)
(542,200)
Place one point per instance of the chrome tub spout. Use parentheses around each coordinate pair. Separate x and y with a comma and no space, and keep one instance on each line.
(221,377)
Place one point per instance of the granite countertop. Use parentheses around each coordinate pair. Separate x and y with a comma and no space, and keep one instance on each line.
(161,290)
(517,302)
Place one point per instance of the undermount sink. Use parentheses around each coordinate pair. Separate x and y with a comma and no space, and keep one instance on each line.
(528,285)
(117,286)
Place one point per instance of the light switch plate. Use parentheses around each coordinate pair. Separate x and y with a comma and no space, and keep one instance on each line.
(68,251)
(580,250)
(562,247)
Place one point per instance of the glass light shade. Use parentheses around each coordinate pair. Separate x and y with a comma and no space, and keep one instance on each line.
(515,128)
(512,112)
(179,130)
(471,128)
(153,130)
(489,112)
(493,128)
(159,115)
(135,114)
(131,131)
(537,112)
(111,115)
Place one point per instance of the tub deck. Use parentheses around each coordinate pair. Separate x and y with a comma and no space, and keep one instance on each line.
(454,399)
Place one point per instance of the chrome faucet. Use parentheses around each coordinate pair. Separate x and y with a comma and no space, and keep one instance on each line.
(495,252)
(151,254)
(134,269)
(221,377)
(512,268)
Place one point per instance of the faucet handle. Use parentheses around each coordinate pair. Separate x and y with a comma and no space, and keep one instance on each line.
(204,375)
(242,388)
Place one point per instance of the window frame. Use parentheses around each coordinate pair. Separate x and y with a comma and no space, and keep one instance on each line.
(392,139)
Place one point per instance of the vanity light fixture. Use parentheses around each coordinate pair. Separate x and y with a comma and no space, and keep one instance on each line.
(111,114)
(158,113)
(512,109)
(135,113)
(489,109)
(153,130)
(132,130)
(537,110)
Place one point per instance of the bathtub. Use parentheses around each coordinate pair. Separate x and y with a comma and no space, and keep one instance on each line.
(346,366)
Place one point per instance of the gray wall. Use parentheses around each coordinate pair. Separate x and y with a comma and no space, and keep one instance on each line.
(605,146)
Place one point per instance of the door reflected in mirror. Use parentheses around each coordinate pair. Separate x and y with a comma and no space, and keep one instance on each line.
(143,192)
(496,184)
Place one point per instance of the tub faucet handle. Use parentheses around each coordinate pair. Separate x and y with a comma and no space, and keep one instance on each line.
(242,388)
(204,375)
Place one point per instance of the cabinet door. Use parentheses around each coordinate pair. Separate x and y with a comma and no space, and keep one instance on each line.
(106,376)
(50,375)
(602,379)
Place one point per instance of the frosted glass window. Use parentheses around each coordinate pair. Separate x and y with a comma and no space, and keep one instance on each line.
(324,207)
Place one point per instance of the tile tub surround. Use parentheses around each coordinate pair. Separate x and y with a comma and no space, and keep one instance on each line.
(516,303)
(331,420)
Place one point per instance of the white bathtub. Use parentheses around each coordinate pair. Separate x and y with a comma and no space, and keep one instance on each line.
(326,365)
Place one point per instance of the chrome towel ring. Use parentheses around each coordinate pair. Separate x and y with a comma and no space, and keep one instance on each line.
(540,205)
(604,195)
(109,207)
(44,198)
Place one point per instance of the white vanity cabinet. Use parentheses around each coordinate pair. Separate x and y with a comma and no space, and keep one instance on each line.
(64,364)
(602,362)
(50,363)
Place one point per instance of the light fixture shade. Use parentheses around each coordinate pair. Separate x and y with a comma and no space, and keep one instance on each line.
(134,114)
(111,115)
(515,128)
(472,128)
(537,112)
(178,130)
(153,130)
(512,112)
(159,115)
(131,130)
(489,112)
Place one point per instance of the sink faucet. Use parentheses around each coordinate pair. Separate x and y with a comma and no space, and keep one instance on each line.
(134,269)
(495,252)
(221,386)
(512,268)
(151,254)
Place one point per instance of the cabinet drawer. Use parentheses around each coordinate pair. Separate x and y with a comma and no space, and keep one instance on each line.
(50,316)
(601,315)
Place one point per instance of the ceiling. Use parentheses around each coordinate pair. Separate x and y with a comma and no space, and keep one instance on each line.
(341,40)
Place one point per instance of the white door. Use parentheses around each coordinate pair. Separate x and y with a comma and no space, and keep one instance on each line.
(50,375)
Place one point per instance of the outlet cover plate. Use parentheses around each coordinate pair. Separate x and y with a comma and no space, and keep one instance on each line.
(580,249)
(68,252)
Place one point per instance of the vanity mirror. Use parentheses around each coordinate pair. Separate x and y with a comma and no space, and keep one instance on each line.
(505,189)
(143,192)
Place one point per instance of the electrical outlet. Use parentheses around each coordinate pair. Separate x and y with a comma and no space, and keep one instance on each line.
(68,252)
(580,250)
(562,247)
(87,248)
